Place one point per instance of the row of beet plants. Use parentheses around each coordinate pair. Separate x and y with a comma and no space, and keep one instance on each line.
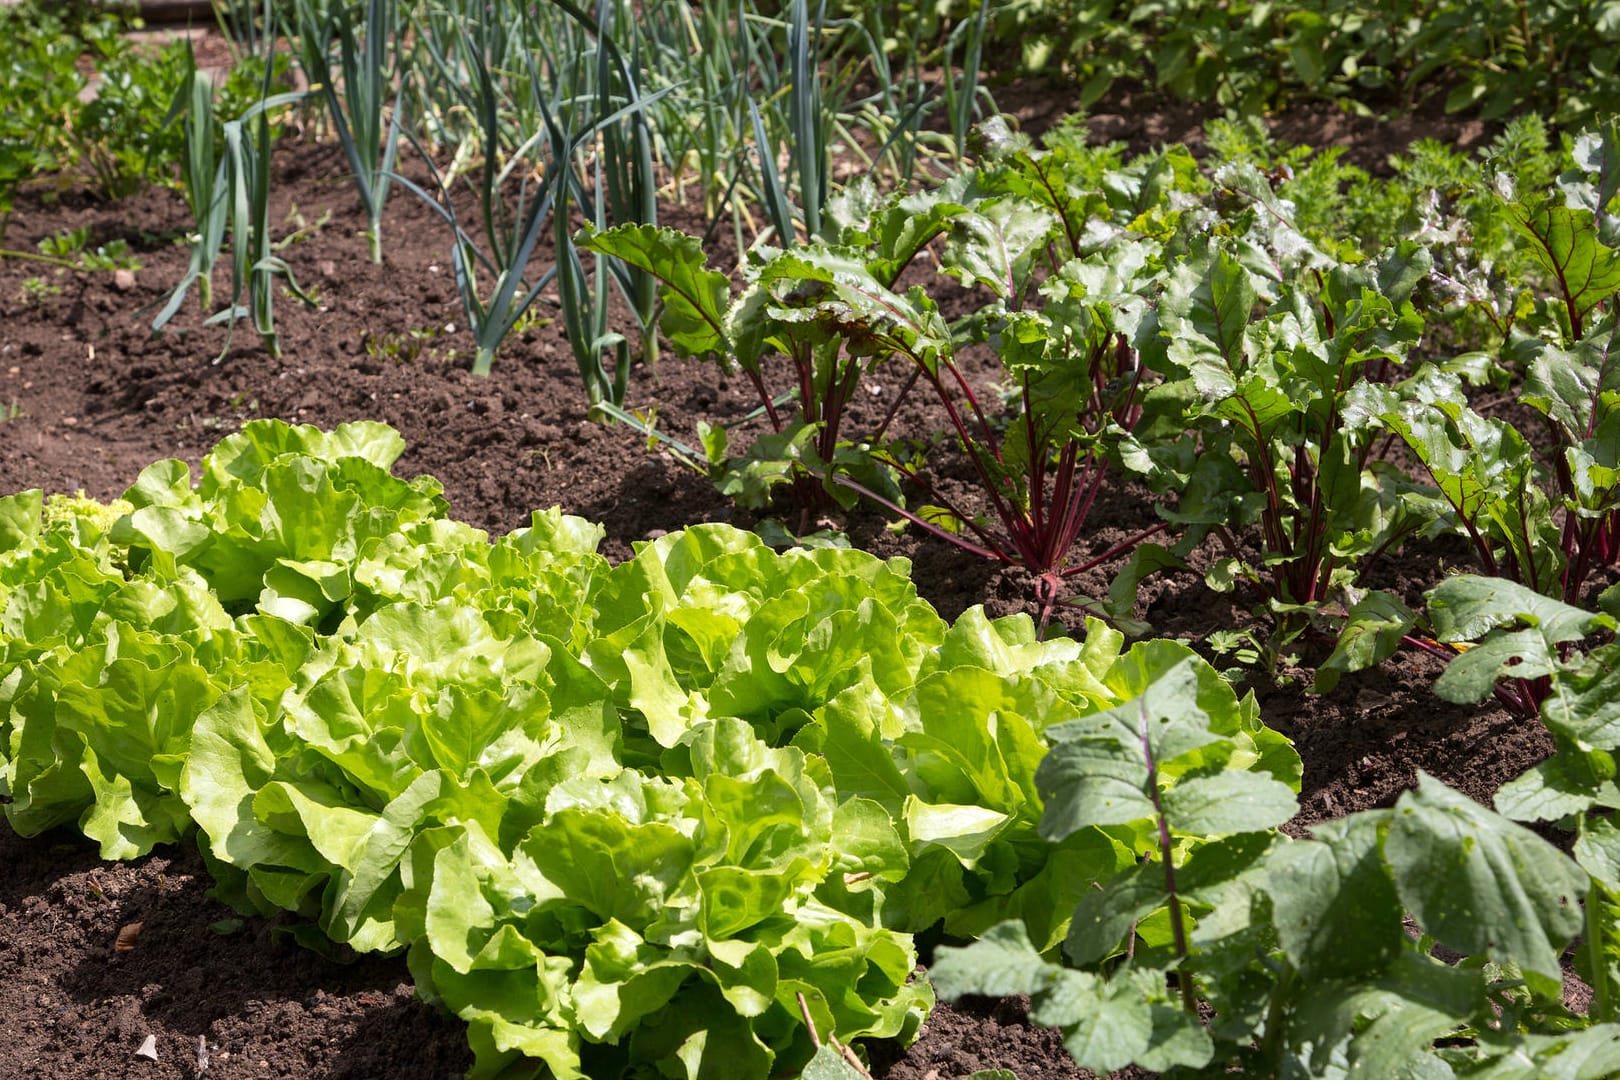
(1157,323)
(689,810)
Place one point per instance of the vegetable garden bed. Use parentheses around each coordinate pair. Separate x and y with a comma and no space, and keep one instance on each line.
(99,399)
(96,957)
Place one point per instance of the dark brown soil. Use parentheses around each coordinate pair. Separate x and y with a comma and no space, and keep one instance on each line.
(89,397)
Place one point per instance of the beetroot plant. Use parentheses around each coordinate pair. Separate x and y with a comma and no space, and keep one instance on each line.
(1545,527)
(1273,348)
(1063,283)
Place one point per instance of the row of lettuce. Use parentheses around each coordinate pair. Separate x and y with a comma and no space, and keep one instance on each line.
(688,811)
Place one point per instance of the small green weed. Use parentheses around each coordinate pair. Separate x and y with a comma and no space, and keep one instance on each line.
(73,246)
(400,346)
(36,289)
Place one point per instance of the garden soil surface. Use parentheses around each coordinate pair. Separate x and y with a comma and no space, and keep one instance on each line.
(131,970)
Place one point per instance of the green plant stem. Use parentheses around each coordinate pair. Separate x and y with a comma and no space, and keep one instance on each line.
(48,260)
(1271,1043)
(1189,999)
(1602,1007)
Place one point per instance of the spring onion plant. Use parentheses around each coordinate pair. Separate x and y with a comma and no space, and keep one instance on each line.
(358,102)
(467,62)
(802,107)
(246,26)
(204,191)
(238,199)
(802,138)
(626,187)
(962,96)
(701,131)
(523,174)
(254,264)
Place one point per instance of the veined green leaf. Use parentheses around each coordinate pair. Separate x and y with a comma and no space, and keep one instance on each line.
(832,292)
(992,244)
(695,298)
(1107,1023)
(1471,608)
(1104,769)
(1565,242)
(1481,884)
(1372,633)
(1337,914)
(1204,316)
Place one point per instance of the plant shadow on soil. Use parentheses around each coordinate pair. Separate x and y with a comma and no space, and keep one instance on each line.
(99,397)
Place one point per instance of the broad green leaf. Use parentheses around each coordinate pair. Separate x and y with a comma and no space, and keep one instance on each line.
(1107,914)
(695,298)
(1337,914)
(1383,1025)
(1592,1054)
(133,702)
(1001,963)
(1583,703)
(510,1012)
(605,864)
(829,1064)
(861,763)
(1107,1024)
(360,908)
(867,842)
(1597,849)
(1576,386)
(1468,608)
(1105,769)
(624,979)
(1205,317)
(1371,634)
(977,742)
(965,831)
(904,226)
(1229,802)
(1593,182)
(1482,885)
(1565,242)
(243,458)
(833,293)
(1568,783)
(700,1038)
(1483,467)
(1046,901)
(992,244)
(1274,236)
(230,760)
(320,812)
(21,518)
